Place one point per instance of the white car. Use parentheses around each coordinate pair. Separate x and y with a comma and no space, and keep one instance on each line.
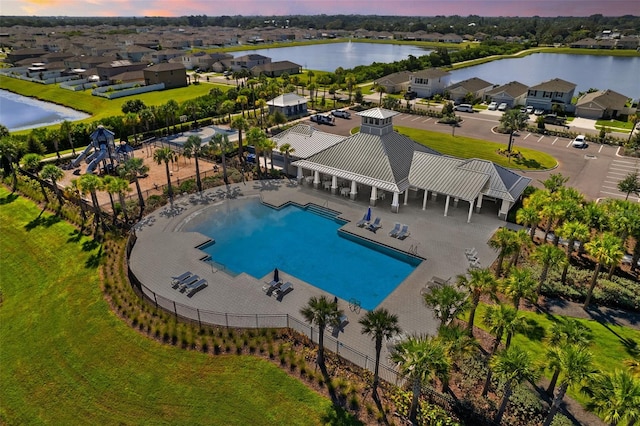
(529,109)
(493,106)
(463,108)
(341,113)
(502,106)
(579,142)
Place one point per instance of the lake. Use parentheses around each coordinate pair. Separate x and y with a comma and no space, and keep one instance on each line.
(586,71)
(328,57)
(20,112)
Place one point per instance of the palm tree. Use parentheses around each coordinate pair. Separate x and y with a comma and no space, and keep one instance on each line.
(615,397)
(380,89)
(421,359)
(91,184)
(606,249)
(512,366)
(106,182)
(513,121)
(131,120)
(226,108)
(312,92)
(503,242)
(550,257)
(321,311)
(193,146)
(12,150)
(379,324)
(554,182)
(481,281)
(257,138)
(66,129)
(457,342)
(31,162)
(521,241)
(286,149)
(446,302)
(119,186)
(171,109)
(243,101)
(166,155)
(350,81)
(131,169)
(261,103)
(528,216)
(520,284)
(221,142)
(576,366)
(572,231)
(54,174)
(241,125)
(563,332)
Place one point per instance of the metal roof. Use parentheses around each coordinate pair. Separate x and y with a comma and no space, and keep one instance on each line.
(444,175)
(378,113)
(287,99)
(503,183)
(306,140)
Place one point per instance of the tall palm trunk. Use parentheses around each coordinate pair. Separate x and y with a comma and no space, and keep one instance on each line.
(57,191)
(140,197)
(376,370)
(594,280)
(505,400)
(123,206)
(543,277)
(169,188)
(555,405)
(413,410)
(472,313)
(198,181)
(554,379)
(320,358)
(224,170)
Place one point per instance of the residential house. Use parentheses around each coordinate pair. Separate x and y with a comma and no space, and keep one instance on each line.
(451,38)
(107,70)
(553,92)
(163,55)
(134,53)
(290,104)
(513,93)
(604,104)
(172,75)
(476,86)
(201,60)
(394,83)
(429,82)
(20,54)
(585,43)
(276,69)
(248,61)
(628,42)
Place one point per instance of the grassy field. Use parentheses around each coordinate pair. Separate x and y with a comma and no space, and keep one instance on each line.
(615,125)
(100,107)
(67,359)
(464,147)
(609,345)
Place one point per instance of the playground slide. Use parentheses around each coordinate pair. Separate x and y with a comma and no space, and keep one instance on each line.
(101,155)
(83,154)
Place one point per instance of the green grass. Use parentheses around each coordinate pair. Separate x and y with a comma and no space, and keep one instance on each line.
(67,359)
(465,147)
(609,348)
(96,106)
(615,125)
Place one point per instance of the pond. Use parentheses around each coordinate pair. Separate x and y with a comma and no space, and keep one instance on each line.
(20,112)
(328,57)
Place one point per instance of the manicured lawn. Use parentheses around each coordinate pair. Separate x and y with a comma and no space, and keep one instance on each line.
(67,359)
(464,147)
(616,125)
(609,347)
(97,106)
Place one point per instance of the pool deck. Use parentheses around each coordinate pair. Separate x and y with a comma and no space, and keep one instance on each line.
(162,251)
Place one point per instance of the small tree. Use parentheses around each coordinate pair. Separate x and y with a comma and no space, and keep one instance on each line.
(630,184)
(511,122)
(446,302)
(320,311)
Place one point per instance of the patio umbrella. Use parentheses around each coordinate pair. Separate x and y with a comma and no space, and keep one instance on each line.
(368,218)
(276,275)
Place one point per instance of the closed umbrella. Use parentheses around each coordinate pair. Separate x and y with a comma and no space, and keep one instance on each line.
(276,275)
(368,218)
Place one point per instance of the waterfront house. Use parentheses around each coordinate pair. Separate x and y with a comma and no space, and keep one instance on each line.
(276,69)
(604,104)
(553,92)
(513,93)
(248,61)
(394,83)
(429,82)
(476,86)
(290,104)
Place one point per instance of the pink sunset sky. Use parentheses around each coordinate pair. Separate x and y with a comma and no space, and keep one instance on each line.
(315,7)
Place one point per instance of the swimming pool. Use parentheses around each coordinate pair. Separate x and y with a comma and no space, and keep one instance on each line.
(253,238)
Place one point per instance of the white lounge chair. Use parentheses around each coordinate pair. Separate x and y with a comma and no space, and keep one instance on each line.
(362,222)
(196,287)
(339,325)
(375,225)
(282,291)
(404,233)
(396,229)
(271,286)
(184,284)
(177,280)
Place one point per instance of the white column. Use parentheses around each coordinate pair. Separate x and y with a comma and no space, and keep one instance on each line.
(406,196)
(395,204)
(504,209)
(455,202)
(316,179)
(299,175)
(479,204)
(470,211)
(446,206)
(334,184)
(424,199)
(374,196)
(354,189)
(434,196)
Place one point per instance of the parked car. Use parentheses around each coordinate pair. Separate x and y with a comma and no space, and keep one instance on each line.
(554,119)
(529,109)
(323,119)
(538,111)
(341,113)
(493,106)
(463,108)
(579,142)
(503,106)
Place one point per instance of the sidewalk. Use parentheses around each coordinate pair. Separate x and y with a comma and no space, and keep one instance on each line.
(603,315)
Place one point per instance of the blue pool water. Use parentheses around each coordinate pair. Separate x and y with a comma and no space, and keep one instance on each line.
(254,238)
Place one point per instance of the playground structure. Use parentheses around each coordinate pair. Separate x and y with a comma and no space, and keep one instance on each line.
(104,150)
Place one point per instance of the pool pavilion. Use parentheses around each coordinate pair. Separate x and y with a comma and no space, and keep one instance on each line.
(381,162)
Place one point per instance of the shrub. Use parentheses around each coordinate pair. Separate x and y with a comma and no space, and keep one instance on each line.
(525,405)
